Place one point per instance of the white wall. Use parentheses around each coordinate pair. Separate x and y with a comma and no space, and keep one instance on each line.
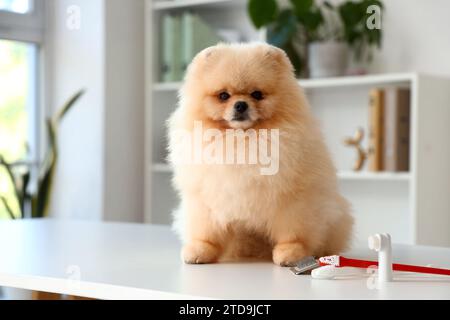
(416,37)
(100,171)
(124,114)
(75,60)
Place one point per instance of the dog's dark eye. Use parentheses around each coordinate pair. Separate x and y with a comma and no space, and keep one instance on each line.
(257,95)
(224,96)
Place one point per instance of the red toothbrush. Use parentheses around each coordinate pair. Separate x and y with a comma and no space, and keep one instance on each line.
(339,261)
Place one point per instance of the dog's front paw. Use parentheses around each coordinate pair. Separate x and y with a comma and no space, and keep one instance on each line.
(288,254)
(200,252)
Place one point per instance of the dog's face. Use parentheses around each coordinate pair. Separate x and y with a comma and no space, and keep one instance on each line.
(238,86)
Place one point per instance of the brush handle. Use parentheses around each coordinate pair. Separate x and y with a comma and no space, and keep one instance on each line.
(346,262)
(419,269)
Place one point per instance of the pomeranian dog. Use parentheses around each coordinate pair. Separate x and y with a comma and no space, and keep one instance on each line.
(233,211)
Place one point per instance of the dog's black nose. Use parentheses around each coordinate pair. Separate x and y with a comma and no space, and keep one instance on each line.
(241,106)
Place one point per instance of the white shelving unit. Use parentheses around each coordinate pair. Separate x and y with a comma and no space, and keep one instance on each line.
(397,79)
(182,4)
(413,206)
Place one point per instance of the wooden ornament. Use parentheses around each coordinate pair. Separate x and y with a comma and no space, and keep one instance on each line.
(356,142)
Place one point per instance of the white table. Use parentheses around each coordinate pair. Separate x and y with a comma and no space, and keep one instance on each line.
(131,261)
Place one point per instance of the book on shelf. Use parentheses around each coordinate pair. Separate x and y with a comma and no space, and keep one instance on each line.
(376,113)
(196,36)
(171,46)
(389,130)
(183,36)
(397,129)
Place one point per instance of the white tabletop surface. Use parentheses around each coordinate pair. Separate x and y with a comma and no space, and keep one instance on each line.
(131,261)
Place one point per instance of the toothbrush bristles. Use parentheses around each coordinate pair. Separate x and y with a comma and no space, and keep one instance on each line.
(330,260)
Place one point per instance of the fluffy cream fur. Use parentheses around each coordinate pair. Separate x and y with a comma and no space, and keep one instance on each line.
(232,211)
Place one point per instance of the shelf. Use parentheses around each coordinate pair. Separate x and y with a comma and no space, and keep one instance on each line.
(365,80)
(352,81)
(179,4)
(343,175)
(374,176)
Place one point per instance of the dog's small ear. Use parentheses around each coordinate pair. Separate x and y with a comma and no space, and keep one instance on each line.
(210,52)
(274,52)
(278,55)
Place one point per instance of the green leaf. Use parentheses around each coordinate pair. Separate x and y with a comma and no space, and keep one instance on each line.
(373,2)
(262,12)
(328,5)
(308,15)
(351,13)
(10,173)
(41,201)
(42,198)
(302,6)
(354,17)
(284,28)
(67,106)
(7,207)
(25,179)
(311,20)
(294,57)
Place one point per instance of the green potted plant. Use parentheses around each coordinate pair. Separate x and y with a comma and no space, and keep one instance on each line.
(34,204)
(317,35)
(328,54)
(361,30)
(289,28)
(19,174)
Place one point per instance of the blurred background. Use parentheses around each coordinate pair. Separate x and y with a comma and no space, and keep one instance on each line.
(86,87)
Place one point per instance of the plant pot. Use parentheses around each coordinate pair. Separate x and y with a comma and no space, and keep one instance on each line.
(358,66)
(16,294)
(327,59)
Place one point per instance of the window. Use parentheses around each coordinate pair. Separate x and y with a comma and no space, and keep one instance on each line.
(17,6)
(20,44)
(22,20)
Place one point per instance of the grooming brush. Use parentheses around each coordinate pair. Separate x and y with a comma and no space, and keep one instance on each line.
(305,265)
